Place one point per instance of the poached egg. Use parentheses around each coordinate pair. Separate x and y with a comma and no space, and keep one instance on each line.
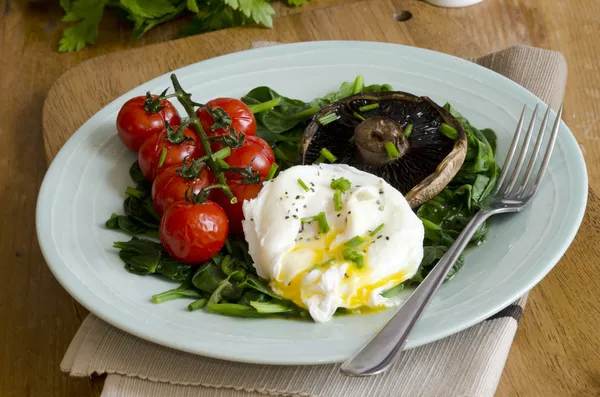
(330,236)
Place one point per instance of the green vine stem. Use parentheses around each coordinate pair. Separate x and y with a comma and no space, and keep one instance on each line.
(185,99)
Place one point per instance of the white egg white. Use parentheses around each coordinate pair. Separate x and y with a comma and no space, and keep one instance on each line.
(311,268)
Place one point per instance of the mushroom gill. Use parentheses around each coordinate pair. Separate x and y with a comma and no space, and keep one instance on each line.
(371,132)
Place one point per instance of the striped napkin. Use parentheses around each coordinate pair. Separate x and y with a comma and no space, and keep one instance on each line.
(468,363)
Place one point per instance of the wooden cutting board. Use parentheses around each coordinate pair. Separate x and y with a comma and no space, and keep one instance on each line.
(542,358)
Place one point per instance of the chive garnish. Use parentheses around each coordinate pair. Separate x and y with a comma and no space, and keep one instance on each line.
(408,130)
(366,108)
(163,156)
(221,154)
(354,242)
(134,192)
(448,131)
(328,118)
(342,184)
(272,171)
(377,230)
(328,155)
(359,116)
(352,138)
(359,84)
(353,256)
(319,160)
(322,220)
(337,200)
(391,150)
(303,185)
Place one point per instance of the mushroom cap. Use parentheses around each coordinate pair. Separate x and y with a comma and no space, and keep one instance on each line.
(429,160)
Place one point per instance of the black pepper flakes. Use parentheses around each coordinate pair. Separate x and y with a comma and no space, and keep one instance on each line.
(346,275)
(380,191)
(380,236)
(287,217)
(312,184)
(313,190)
(304,206)
(381,208)
(338,215)
(298,197)
(295,216)
(317,237)
(387,237)
(349,212)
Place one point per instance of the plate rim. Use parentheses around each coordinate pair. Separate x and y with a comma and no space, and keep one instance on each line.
(61,275)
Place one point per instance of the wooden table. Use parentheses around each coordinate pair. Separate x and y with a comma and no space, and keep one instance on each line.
(557,347)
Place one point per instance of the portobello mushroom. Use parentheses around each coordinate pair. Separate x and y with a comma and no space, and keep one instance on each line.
(409,141)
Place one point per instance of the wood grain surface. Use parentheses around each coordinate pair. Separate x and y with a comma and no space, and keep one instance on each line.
(557,347)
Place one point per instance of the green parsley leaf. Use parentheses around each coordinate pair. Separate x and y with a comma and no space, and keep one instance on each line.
(148,9)
(260,11)
(192,6)
(88,13)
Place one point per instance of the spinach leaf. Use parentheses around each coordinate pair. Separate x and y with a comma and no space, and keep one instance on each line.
(281,118)
(148,257)
(136,173)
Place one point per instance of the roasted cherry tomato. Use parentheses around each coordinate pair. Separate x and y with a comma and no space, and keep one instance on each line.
(255,150)
(151,157)
(193,233)
(242,119)
(170,187)
(135,124)
(234,211)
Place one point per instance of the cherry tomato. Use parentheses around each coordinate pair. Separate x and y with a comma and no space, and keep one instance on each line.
(193,233)
(255,150)
(242,119)
(234,211)
(151,151)
(170,187)
(135,125)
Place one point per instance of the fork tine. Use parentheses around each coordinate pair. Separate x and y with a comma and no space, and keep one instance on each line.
(534,154)
(511,152)
(549,150)
(523,153)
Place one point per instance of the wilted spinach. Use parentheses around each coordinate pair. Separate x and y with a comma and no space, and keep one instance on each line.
(140,216)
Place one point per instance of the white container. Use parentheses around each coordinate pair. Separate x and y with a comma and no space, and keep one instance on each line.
(453,3)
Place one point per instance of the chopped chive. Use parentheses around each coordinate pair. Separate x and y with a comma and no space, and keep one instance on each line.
(328,155)
(272,171)
(308,219)
(359,116)
(342,184)
(359,84)
(391,150)
(134,193)
(221,154)
(353,256)
(408,130)
(366,108)
(228,246)
(354,241)
(352,139)
(322,220)
(303,185)
(318,265)
(196,305)
(328,118)
(222,164)
(448,131)
(377,230)
(337,200)
(163,156)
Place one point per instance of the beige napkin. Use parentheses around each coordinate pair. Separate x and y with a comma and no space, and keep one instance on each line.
(468,363)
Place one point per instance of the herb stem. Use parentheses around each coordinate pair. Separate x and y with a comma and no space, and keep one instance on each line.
(305,113)
(184,98)
(163,156)
(328,118)
(377,230)
(449,131)
(337,200)
(359,116)
(408,130)
(260,107)
(303,185)
(134,193)
(328,155)
(197,305)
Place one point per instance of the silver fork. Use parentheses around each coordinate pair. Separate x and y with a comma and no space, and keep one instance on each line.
(513,192)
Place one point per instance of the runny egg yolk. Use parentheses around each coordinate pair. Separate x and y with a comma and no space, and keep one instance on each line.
(357,286)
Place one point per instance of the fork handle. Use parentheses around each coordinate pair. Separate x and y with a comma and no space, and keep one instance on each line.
(380,352)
